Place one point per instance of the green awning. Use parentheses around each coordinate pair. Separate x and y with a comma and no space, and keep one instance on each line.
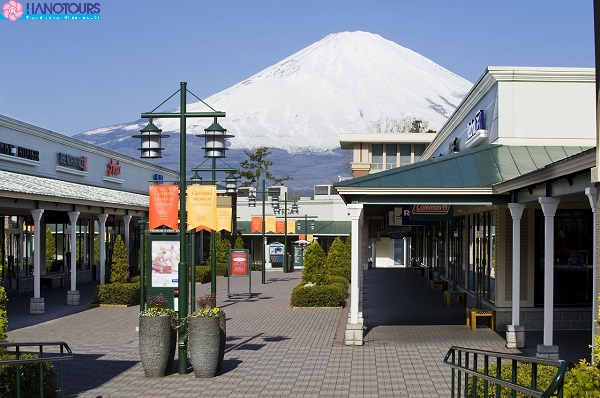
(466,176)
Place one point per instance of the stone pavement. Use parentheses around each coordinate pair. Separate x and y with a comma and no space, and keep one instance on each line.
(272,350)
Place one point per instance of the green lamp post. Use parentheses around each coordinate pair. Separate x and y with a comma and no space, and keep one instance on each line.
(215,137)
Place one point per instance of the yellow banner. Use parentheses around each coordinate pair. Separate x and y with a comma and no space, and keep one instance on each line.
(291,227)
(224,218)
(202,206)
(270,224)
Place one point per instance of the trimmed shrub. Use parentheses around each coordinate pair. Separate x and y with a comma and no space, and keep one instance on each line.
(239,243)
(544,378)
(223,268)
(318,296)
(120,266)
(3,315)
(582,381)
(30,377)
(202,273)
(118,293)
(338,280)
(314,265)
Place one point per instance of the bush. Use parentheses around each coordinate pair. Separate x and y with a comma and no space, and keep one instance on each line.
(3,316)
(545,374)
(120,266)
(318,296)
(582,381)
(223,269)
(314,264)
(202,273)
(342,272)
(338,280)
(118,293)
(30,377)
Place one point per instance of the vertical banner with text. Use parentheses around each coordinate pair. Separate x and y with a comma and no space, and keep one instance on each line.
(280,227)
(224,215)
(202,206)
(256,224)
(270,224)
(164,206)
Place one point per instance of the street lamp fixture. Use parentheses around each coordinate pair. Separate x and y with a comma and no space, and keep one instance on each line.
(151,147)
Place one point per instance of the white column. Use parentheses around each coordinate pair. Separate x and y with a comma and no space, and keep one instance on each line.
(126,221)
(592,194)
(515,334)
(73,215)
(37,268)
(36,303)
(354,327)
(406,258)
(516,211)
(549,206)
(102,247)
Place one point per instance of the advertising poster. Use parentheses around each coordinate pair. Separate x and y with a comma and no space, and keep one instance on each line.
(239,262)
(165,262)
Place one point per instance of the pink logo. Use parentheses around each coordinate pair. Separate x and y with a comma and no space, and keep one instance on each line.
(12,10)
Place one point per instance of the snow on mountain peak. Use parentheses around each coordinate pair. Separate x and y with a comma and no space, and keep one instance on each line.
(341,83)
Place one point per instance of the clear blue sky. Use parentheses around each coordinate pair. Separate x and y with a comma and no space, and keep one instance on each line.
(73,76)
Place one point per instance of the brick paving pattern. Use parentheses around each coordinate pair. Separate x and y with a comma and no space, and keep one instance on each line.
(272,350)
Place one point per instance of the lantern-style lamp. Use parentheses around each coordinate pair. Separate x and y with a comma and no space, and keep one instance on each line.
(150,137)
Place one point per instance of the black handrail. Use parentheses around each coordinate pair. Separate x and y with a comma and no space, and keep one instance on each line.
(466,360)
(60,353)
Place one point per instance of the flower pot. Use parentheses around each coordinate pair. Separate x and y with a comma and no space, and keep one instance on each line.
(204,341)
(157,341)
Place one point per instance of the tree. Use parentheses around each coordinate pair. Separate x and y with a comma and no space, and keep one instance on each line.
(239,243)
(256,167)
(314,264)
(404,125)
(50,249)
(120,266)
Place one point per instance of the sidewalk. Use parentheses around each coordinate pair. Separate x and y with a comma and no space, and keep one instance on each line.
(272,350)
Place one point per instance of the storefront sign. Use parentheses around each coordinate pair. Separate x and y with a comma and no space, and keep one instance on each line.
(73,162)
(476,124)
(113,168)
(430,209)
(18,151)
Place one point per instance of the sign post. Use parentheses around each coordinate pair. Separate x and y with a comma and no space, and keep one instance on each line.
(239,265)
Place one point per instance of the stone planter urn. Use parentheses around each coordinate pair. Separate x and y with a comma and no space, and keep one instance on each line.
(204,343)
(157,341)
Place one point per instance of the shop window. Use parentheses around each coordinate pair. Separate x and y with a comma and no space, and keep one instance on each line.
(405,154)
(572,258)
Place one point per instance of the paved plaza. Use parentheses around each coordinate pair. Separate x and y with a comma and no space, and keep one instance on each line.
(273,350)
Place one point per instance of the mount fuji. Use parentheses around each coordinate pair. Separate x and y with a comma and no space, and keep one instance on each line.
(299,106)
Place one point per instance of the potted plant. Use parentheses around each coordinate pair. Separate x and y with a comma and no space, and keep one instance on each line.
(206,337)
(157,339)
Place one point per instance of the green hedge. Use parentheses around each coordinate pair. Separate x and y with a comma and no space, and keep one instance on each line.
(339,280)
(341,272)
(332,295)
(30,378)
(118,293)
(202,273)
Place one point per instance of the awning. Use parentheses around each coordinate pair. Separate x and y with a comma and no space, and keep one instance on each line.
(466,177)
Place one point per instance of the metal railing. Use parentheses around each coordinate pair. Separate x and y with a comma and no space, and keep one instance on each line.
(59,352)
(478,373)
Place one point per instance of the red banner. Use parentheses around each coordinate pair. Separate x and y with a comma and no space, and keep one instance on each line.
(164,207)
(280,229)
(256,224)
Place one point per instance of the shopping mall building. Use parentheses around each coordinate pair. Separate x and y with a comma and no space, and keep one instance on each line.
(62,204)
(500,204)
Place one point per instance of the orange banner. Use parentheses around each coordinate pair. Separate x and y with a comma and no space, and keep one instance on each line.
(224,218)
(270,224)
(280,227)
(164,207)
(202,206)
(256,224)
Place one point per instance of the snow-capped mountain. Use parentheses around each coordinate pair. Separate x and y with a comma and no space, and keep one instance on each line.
(342,83)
